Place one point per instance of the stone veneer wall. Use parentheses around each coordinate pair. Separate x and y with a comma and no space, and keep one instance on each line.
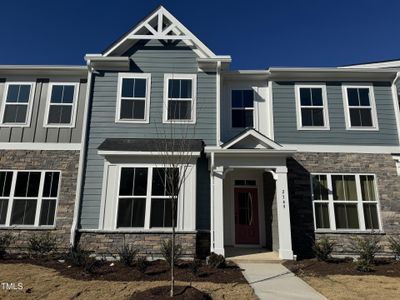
(302,164)
(65,161)
(148,243)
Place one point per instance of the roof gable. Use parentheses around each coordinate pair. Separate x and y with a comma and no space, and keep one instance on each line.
(251,139)
(159,25)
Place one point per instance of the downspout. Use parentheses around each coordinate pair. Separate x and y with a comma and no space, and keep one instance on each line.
(217,143)
(396,104)
(82,157)
(218,108)
(212,202)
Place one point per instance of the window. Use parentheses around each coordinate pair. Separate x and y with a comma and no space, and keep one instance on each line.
(180,98)
(162,197)
(17,103)
(242,102)
(61,105)
(360,110)
(31,195)
(133,99)
(248,182)
(146,186)
(312,107)
(345,201)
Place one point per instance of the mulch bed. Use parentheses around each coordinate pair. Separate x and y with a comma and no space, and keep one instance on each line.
(314,267)
(157,270)
(162,293)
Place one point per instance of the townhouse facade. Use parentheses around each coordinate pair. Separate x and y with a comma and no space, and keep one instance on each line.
(277,158)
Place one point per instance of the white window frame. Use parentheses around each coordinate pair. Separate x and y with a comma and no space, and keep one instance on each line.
(74,105)
(29,104)
(359,202)
(39,199)
(324,106)
(121,77)
(372,106)
(148,196)
(238,88)
(192,77)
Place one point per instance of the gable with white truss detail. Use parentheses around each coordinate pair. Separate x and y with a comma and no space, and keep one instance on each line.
(159,25)
(252,139)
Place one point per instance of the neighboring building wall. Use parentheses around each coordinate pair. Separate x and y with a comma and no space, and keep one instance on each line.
(157,59)
(299,169)
(285,126)
(65,161)
(36,132)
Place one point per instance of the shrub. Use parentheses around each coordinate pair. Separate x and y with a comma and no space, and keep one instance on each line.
(77,256)
(166,251)
(363,266)
(141,264)
(323,249)
(195,266)
(5,241)
(127,255)
(216,260)
(366,248)
(394,245)
(41,244)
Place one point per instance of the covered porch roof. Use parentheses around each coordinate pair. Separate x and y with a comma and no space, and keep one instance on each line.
(250,141)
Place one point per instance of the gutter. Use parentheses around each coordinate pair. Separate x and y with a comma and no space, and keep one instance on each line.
(82,156)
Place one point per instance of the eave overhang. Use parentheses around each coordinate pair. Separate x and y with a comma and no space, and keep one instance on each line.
(44,70)
(113,63)
(319,74)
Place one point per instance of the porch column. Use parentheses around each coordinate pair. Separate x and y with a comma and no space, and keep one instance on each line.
(284,230)
(217,245)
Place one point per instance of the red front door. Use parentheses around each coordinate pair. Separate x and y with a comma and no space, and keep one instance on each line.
(246,216)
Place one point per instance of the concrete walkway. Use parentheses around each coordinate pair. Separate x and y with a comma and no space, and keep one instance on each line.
(273,281)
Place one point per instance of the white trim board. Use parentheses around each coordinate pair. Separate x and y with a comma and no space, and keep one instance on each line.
(343,148)
(40,146)
(146,153)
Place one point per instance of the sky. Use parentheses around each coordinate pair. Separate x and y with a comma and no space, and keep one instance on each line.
(257,34)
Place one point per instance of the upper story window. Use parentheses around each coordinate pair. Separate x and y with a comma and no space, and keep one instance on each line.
(242,103)
(345,201)
(133,99)
(311,107)
(17,104)
(360,109)
(28,198)
(61,105)
(180,98)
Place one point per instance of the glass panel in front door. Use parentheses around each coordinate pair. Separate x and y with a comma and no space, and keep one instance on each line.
(245,208)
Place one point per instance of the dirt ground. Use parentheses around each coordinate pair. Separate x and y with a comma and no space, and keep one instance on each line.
(339,279)
(44,283)
(344,287)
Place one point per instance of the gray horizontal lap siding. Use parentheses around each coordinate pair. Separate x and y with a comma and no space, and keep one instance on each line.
(155,59)
(36,132)
(285,126)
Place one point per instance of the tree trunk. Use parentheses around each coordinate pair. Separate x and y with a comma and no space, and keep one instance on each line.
(173,248)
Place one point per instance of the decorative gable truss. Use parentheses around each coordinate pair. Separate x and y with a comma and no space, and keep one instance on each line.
(252,139)
(160,25)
